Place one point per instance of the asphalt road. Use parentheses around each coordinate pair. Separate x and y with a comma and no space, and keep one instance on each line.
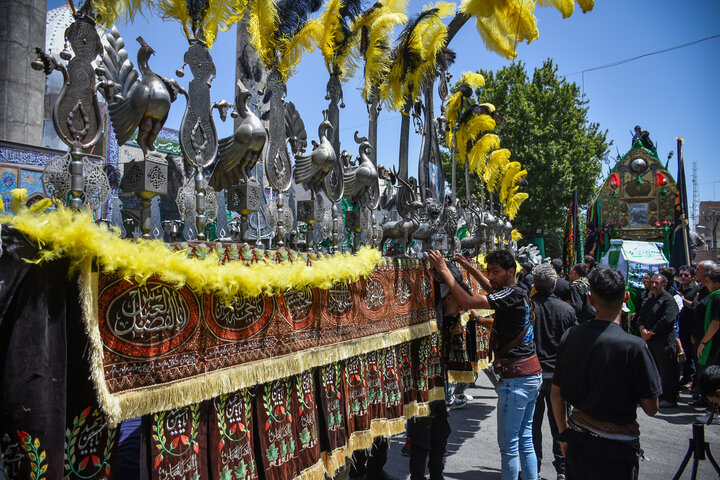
(473,452)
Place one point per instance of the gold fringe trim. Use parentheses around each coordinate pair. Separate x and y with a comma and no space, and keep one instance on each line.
(437,393)
(316,472)
(359,441)
(480,365)
(460,376)
(384,427)
(334,460)
(410,409)
(135,403)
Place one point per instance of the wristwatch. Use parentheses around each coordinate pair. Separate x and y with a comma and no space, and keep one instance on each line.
(563,437)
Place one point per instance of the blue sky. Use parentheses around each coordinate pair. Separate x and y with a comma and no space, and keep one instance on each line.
(670,94)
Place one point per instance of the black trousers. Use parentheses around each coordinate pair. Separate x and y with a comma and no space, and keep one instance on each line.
(592,458)
(428,437)
(665,355)
(370,463)
(543,402)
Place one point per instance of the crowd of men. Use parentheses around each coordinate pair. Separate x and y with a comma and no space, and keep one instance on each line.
(566,349)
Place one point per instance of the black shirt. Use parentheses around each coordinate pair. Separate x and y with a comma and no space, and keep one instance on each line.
(512,315)
(578,299)
(685,319)
(604,371)
(658,315)
(562,289)
(552,318)
(699,313)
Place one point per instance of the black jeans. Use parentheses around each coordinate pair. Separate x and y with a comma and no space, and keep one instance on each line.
(543,402)
(665,355)
(428,436)
(593,458)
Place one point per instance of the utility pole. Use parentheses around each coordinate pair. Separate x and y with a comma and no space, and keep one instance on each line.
(695,202)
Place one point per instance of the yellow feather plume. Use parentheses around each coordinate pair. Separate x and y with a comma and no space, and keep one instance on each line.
(262,26)
(586,5)
(377,25)
(507,180)
(175,10)
(109,11)
(480,150)
(330,21)
(565,7)
(495,162)
(221,14)
(2,205)
(513,205)
(503,23)
(291,49)
(516,235)
(452,111)
(468,131)
(473,80)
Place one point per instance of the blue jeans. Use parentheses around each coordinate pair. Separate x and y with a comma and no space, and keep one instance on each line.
(515,408)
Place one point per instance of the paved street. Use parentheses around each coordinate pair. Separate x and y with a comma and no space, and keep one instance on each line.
(473,453)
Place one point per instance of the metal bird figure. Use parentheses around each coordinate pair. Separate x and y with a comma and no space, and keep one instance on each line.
(238,154)
(310,170)
(361,183)
(141,104)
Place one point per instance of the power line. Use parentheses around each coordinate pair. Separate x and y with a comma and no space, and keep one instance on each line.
(632,59)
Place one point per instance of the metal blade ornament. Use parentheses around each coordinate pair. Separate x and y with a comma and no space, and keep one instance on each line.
(76,115)
(198,136)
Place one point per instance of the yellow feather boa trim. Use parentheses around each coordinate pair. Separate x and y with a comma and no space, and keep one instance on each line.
(73,234)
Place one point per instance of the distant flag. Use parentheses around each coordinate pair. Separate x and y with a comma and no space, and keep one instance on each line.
(680,250)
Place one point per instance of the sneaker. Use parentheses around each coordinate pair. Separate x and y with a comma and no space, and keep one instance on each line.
(705,418)
(682,358)
(468,397)
(560,476)
(457,402)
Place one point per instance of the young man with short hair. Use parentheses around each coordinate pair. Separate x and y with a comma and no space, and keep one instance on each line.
(515,356)
(603,372)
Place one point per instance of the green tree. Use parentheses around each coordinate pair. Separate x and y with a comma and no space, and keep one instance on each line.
(547,130)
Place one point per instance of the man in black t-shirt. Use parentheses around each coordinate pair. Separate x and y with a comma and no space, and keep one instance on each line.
(603,372)
(687,291)
(552,319)
(700,303)
(656,323)
(514,352)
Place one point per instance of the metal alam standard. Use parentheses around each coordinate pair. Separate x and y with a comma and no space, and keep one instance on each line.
(269,361)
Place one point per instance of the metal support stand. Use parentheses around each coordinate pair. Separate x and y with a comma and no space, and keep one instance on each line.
(697,449)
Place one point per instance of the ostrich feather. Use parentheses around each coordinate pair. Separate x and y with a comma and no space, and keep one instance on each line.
(565,7)
(513,205)
(480,150)
(586,5)
(221,15)
(110,11)
(330,21)
(495,161)
(175,10)
(515,234)
(262,28)
(292,48)
(471,129)
(507,181)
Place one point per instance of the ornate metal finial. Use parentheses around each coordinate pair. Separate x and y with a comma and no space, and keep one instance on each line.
(76,118)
